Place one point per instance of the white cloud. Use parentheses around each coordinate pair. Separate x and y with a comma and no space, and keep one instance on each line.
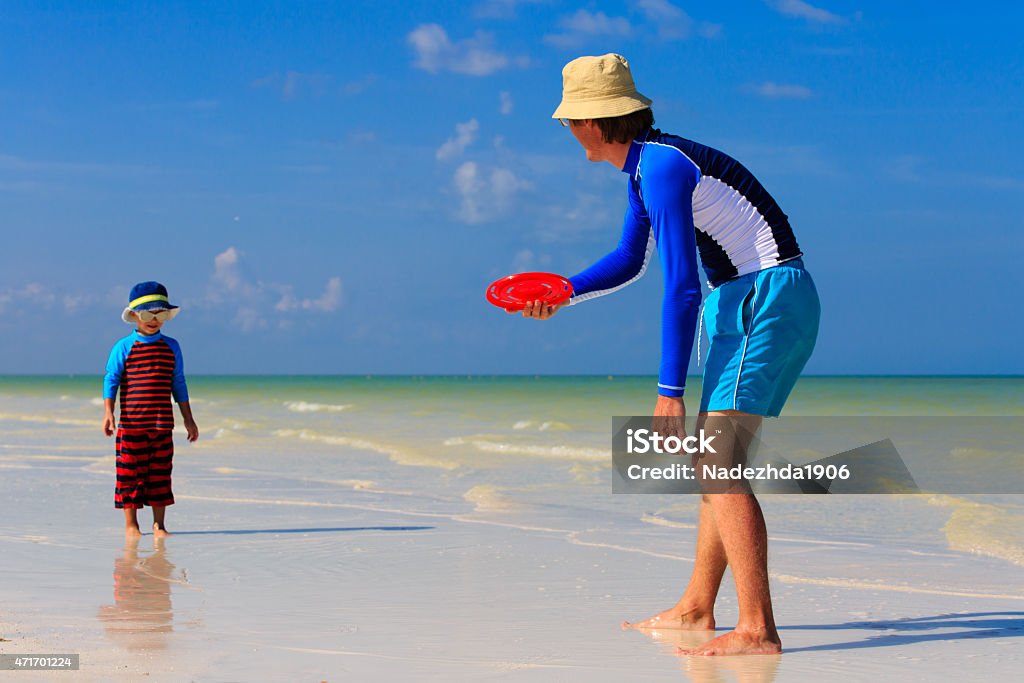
(305,169)
(922,171)
(20,186)
(362,136)
(291,84)
(465,134)
(485,195)
(506,103)
(774,90)
(251,301)
(32,295)
(225,269)
(525,260)
(500,9)
(185,105)
(469,187)
(359,86)
(76,302)
(327,302)
(228,288)
(9,162)
(673,23)
(587,212)
(782,160)
(804,10)
(436,52)
(905,167)
(709,30)
(584,25)
(36,296)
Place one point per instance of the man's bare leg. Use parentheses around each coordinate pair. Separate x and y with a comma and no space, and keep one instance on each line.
(740,524)
(695,610)
(745,538)
(159,530)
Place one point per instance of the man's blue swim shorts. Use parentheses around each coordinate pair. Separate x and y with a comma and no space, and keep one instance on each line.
(762,328)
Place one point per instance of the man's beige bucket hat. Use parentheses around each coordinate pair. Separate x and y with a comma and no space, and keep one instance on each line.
(598,88)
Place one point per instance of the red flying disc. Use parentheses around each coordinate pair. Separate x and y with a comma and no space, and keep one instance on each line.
(514,291)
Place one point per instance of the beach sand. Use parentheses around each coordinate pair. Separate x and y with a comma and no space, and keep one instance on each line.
(308,550)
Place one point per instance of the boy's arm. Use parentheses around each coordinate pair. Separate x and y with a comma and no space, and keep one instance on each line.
(190,424)
(111,382)
(179,388)
(108,416)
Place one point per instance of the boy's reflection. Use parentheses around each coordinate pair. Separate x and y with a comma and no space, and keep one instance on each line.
(141,615)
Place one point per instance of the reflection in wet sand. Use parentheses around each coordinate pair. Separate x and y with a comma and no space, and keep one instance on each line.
(742,669)
(141,616)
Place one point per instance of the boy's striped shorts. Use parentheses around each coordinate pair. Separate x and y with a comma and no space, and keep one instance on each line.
(143,468)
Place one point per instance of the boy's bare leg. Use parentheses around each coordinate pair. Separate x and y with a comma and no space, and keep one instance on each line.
(159,529)
(695,611)
(131,523)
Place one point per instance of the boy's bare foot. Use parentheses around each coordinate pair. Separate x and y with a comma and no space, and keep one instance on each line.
(687,619)
(132,532)
(160,531)
(739,642)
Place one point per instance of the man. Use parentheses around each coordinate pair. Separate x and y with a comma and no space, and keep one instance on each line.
(761,316)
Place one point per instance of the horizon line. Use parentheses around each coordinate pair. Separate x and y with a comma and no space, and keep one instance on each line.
(371,375)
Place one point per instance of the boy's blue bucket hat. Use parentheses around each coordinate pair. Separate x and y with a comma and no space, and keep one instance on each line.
(147,296)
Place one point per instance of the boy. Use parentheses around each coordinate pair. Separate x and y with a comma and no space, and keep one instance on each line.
(147,367)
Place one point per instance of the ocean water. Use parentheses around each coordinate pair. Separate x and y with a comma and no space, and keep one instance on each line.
(530,452)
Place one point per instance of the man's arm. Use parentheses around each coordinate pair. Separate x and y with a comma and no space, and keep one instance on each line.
(625,264)
(667,185)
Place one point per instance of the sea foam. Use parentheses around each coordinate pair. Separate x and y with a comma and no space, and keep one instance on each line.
(304,407)
(560,452)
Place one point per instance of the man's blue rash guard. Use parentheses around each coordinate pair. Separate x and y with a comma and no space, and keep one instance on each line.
(684,196)
(119,355)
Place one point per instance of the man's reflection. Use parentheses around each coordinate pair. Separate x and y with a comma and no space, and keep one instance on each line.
(746,669)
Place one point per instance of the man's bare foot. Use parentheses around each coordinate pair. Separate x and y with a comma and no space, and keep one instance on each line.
(739,642)
(687,619)
(132,532)
(160,531)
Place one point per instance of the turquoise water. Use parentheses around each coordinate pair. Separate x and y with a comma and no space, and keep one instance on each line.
(534,449)
(575,397)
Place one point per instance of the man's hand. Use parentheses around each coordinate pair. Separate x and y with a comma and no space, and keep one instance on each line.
(108,424)
(669,413)
(539,310)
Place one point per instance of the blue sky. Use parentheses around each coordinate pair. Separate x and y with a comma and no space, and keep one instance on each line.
(329,187)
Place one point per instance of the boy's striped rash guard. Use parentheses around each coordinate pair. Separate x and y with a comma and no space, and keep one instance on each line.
(147,370)
(684,195)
